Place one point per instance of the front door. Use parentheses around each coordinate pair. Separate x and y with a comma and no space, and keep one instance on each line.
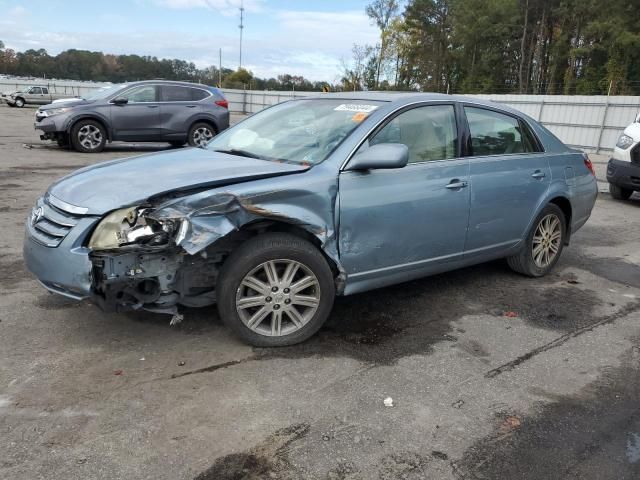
(403,223)
(509,177)
(139,118)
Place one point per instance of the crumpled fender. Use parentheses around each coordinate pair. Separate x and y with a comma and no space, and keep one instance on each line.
(212,216)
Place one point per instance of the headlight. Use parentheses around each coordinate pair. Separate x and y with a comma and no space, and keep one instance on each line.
(624,142)
(54,111)
(130,226)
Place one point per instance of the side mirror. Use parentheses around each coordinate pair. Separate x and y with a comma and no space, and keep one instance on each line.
(120,101)
(382,155)
(638,118)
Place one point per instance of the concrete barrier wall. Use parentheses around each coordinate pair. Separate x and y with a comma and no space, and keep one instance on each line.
(591,123)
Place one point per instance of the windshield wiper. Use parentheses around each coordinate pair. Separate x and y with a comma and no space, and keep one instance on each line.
(240,153)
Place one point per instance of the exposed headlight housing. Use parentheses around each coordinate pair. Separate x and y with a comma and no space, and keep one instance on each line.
(54,111)
(625,141)
(130,226)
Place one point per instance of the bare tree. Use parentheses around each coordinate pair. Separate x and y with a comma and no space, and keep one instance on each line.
(382,12)
(522,47)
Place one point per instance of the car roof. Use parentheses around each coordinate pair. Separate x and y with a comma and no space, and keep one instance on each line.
(169,82)
(404,98)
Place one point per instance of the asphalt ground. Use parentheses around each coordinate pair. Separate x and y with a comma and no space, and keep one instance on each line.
(492,375)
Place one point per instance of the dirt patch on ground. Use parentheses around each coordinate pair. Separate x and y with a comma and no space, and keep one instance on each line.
(595,434)
(13,271)
(268,460)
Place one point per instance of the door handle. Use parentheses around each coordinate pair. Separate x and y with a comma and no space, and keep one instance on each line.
(538,174)
(152,106)
(456,184)
(190,106)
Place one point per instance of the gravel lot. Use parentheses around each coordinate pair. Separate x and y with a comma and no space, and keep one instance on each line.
(549,393)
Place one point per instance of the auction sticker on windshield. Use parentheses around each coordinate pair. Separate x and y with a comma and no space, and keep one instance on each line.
(355,107)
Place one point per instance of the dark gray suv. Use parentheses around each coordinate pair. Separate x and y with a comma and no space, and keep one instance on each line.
(148,111)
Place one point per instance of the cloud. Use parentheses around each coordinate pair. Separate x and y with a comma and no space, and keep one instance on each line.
(300,43)
(225,7)
(17,11)
(339,30)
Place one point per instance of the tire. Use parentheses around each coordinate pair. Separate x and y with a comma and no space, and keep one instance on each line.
(63,141)
(200,133)
(19,102)
(177,144)
(524,262)
(619,193)
(88,136)
(249,261)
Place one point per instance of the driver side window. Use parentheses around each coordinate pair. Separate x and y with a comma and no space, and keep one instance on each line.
(430,133)
(141,94)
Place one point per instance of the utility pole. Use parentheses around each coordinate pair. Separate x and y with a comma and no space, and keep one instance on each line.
(241,28)
(220,70)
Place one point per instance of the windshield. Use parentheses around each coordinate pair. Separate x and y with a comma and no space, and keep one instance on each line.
(300,131)
(104,92)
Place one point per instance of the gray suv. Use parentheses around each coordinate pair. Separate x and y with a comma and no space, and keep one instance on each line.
(148,111)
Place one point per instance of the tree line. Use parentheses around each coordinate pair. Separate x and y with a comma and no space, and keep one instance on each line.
(500,46)
(581,47)
(100,67)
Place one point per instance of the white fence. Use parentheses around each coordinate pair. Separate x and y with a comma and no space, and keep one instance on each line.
(591,123)
(63,87)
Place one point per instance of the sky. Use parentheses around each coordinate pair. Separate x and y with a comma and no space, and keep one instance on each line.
(299,37)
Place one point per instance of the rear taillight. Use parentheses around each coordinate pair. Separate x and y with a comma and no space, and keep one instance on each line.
(222,103)
(589,165)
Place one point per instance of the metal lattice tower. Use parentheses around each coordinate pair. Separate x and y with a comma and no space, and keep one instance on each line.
(241,26)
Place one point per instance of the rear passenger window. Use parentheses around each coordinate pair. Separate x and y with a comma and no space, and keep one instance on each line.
(174,93)
(429,132)
(45,90)
(494,133)
(198,94)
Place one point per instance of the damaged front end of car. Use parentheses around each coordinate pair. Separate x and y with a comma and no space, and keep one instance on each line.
(169,252)
(137,262)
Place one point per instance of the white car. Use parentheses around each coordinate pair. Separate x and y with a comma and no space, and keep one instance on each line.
(623,170)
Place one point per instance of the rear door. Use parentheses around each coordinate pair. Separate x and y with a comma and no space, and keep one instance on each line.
(179,107)
(509,175)
(35,96)
(402,223)
(139,118)
(45,98)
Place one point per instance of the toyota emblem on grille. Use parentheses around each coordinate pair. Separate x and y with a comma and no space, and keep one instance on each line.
(36,215)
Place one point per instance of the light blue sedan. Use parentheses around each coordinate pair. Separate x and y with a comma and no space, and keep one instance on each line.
(310,199)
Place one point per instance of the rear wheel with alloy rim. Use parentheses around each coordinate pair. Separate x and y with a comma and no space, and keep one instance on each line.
(88,136)
(275,290)
(200,134)
(543,245)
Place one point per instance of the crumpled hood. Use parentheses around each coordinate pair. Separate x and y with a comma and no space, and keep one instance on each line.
(125,182)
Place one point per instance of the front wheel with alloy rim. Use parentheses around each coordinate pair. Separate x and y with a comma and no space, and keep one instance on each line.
(88,136)
(543,245)
(275,290)
(200,134)
(19,102)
